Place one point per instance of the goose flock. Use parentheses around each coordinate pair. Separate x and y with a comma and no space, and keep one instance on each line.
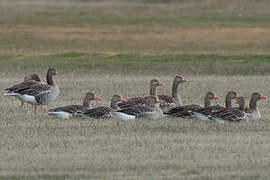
(38,93)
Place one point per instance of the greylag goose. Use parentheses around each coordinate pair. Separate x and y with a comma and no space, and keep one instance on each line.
(36,93)
(150,110)
(71,110)
(253,110)
(30,77)
(186,111)
(103,112)
(203,113)
(175,99)
(29,80)
(234,114)
(154,83)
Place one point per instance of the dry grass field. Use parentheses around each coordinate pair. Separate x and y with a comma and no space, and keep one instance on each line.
(118,47)
(191,27)
(36,146)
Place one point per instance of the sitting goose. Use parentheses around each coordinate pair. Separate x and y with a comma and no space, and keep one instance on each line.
(71,110)
(253,110)
(175,99)
(150,110)
(154,83)
(234,114)
(203,113)
(186,111)
(36,93)
(103,112)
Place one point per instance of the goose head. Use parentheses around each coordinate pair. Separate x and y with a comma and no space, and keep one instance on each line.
(208,97)
(254,98)
(52,71)
(155,83)
(257,96)
(115,100)
(180,79)
(230,95)
(88,98)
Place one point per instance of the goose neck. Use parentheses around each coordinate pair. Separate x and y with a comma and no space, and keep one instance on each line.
(253,103)
(207,101)
(50,78)
(153,91)
(228,102)
(175,92)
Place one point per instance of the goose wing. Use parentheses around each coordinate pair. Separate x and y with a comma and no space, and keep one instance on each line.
(73,109)
(209,110)
(166,98)
(183,111)
(137,110)
(18,87)
(168,102)
(132,102)
(231,115)
(99,112)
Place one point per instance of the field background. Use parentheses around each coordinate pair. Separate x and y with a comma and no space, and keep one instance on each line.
(110,47)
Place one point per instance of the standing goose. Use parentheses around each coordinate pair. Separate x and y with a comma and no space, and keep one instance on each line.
(103,112)
(234,114)
(71,110)
(150,110)
(175,99)
(186,111)
(203,113)
(36,93)
(154,83)
(253,110)
(29,80)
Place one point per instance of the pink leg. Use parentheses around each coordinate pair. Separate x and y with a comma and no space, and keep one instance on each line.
(42,108)
(35,108)
(22,104)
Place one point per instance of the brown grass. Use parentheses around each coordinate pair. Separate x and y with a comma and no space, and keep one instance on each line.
(135,39)
(189,27)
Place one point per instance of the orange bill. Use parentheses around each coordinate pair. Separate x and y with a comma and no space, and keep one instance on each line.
(159,100)
(160,83)
(184,79)
(123,99)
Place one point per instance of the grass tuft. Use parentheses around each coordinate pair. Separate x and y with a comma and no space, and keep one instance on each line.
(70,55)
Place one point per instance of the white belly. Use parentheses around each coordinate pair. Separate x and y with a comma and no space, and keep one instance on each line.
(61,114)
(256,115)
(123,116)
(25,98)
(200,116)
